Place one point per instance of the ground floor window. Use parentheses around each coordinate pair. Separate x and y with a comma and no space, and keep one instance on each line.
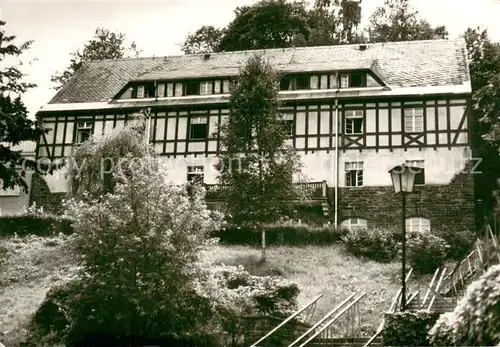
(420,225)
(354,223)
(354,174)
(195,174)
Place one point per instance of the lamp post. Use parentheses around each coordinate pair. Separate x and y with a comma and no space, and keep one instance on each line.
(403,178)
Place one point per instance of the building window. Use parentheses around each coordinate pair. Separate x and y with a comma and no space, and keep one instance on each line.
(358,79)
(420,225)
(149,90)
(195,174)
(288,120)
(353,122)
(344,81)
(140,91)
(314,82)
(225,86)
(133,92)
(414,120)
(192,88)
(206,88)
(286,83)
(83,131)
(420,174)
(198,128)
(302,82)
(354,174)
(354,223)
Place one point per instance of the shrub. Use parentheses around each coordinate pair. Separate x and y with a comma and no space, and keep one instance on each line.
(460,242)
(375,244)
(293,235)
(476,319)
(427,252)
(408,328)
(39,225)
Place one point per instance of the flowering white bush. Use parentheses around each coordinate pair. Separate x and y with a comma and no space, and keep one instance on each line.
(141,274)
(476,319)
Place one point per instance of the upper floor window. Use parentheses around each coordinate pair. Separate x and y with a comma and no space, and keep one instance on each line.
(353,122)
(206,88)
(288,120)
(354,223)
(354,174)
(149,90)
(295,82)
(192,88)
(353,80)
(417,224)
(198,128)
(420,175)
(414,120)
(83,131)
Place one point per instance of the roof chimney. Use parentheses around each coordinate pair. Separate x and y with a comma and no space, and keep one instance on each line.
(362,47)
(206,56)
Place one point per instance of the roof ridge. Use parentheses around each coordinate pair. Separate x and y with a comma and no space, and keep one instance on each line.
(162,57)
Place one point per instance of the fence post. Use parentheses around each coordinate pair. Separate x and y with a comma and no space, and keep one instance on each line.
(323,189)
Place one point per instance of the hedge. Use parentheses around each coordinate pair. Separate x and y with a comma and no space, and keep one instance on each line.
(39,225)
(293,235)
(409,328)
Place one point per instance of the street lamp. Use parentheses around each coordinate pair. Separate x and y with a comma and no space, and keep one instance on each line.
(403,178)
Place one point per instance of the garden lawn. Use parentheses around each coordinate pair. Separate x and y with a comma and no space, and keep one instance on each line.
(323,269)
(32,265)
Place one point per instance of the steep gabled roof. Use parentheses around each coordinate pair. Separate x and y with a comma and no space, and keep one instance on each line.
(435,63)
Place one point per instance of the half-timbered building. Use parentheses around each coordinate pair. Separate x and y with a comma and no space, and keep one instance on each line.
(354,112)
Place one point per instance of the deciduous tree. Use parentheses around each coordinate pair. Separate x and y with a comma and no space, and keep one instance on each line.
(257,166)
(105,44)
(15,126)
(204,40)
(396,20)
(484,66)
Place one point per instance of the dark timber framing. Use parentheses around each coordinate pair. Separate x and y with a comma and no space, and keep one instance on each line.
(318,141)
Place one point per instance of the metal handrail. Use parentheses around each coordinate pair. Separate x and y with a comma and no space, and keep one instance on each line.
(438,286)
(325,317)
(392,309)
(287,320)
(330,322)
(429,289)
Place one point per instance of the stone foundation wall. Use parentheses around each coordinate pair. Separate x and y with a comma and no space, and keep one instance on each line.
(41,195)
(450,205)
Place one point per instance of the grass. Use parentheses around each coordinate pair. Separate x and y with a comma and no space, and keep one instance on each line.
(326,270)
(30,267)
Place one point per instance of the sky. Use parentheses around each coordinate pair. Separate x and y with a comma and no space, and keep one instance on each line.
(159,27)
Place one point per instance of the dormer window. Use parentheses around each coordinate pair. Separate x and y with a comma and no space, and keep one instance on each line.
(297,82)
(352,80)
(344,81)
(192,88)
(302,82)
(358,80)
(149,90)
(286,83)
